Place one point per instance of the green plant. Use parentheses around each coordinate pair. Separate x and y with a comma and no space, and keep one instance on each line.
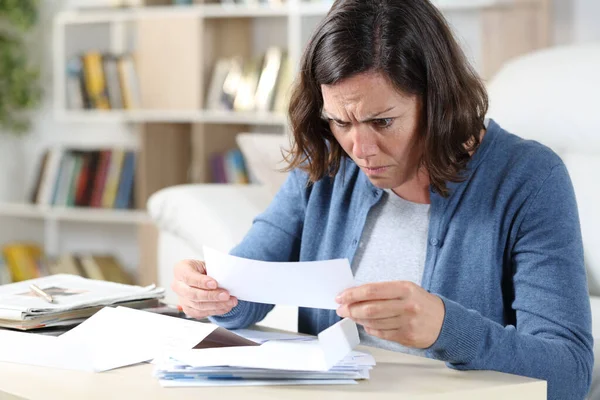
(19,80)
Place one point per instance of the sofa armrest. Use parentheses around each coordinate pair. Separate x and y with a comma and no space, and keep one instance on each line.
(204,214)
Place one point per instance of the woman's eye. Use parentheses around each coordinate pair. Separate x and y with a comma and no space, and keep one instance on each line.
(341,124)
(383,122)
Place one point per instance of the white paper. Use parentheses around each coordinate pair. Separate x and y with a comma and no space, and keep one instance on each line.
(69,292)
(44,351)
(332,346)
(122,336)
(265,336)
(253,382)
(313,284)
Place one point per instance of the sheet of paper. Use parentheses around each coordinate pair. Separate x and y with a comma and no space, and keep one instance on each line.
(44,351)
(332,346)
(313,284)
(265,336)
(252,382)
(121,336)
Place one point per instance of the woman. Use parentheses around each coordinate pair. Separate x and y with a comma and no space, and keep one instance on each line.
(464,239)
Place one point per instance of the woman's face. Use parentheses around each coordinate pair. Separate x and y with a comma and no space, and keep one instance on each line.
(376,126)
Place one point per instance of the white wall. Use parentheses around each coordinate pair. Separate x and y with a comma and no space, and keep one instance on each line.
(576,21)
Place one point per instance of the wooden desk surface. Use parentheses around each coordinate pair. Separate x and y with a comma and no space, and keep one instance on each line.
(396,376)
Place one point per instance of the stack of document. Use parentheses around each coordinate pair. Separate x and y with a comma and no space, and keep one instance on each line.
(174,373)
(74,299)
(328,359)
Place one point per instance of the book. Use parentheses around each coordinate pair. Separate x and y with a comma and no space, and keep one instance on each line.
(215,95)
(22,260)
(113,83)
(95,82)
(284,86)
(112,179)
(125,188)
(128,79)
(76,94)
(246,91)
(265,91)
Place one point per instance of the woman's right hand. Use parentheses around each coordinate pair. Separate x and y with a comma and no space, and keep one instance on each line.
(199,294)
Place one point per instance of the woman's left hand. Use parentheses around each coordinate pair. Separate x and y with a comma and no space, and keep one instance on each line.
(399,311)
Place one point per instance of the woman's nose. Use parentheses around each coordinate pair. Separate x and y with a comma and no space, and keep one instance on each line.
(364,145)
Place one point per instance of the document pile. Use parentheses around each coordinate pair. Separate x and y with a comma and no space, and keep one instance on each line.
(60,300)
(328,359)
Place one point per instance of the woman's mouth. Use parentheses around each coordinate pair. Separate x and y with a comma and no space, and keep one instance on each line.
(375,170)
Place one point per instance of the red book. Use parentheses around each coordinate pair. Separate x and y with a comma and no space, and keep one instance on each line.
(100,178)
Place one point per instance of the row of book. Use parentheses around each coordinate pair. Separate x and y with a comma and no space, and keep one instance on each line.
(228,167)
(102,81)
(256,84)
(78,178)
(22,261)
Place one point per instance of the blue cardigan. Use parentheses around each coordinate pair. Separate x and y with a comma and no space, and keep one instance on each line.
(504,254)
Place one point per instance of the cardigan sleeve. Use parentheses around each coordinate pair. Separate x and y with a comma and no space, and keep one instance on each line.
(552,338)
(274,236)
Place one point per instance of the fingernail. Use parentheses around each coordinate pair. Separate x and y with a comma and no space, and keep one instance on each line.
(223,296)
(232,302)
(212,285)
(338,299)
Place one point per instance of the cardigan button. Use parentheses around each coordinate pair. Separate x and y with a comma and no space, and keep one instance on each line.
(434,242)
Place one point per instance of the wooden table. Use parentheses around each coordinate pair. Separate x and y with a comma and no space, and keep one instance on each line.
(396,376)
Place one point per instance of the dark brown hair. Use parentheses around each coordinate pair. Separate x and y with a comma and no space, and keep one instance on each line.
(410,43)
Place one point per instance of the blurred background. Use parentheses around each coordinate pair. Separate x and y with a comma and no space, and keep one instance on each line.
(105,102)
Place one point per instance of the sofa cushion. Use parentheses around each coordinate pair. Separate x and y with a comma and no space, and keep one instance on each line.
(584,170)
(213,215)
(264,156)
(550,96)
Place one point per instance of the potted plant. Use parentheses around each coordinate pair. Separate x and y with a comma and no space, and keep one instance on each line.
(19,86)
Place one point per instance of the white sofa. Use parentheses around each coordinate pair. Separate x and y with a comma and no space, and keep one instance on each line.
(550,96)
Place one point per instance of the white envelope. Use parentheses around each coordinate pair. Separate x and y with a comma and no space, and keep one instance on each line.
(313,284)
(44,351)
(333,344)
(111,338)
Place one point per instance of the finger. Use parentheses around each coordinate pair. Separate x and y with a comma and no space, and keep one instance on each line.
(199,295)
(193,273)
(387,334)
(377,309)
(376,291)
(381,324)
(209,307)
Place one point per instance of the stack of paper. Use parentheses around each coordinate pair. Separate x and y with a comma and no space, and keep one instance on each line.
(74,298)
(355,366)
(329,359)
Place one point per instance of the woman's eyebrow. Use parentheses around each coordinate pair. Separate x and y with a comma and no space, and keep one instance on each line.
(327,115)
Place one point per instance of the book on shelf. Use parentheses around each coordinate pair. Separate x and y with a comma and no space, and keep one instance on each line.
(85,178)
(254,84)
(21,261)
(229,167)
(102,81)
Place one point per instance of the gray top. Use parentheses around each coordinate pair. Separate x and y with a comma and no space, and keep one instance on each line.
(395,232)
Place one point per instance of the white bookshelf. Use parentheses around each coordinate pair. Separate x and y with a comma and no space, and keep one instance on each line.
(211,11)
(168,116)
(73,214)
(185,42)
